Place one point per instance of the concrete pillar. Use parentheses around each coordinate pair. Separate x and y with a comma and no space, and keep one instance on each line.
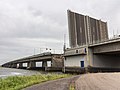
(20,65)
(44,63)
(7,66)
(90,57)
(10,65)
(31,64)
(14,65)
(28,64)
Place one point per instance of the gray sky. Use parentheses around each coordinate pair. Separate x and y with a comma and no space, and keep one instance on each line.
(29,24)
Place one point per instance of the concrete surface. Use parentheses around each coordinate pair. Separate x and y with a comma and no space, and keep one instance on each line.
(98,81)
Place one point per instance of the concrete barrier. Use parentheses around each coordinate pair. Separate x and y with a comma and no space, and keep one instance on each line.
(54,69)
(75,70)
(99,69)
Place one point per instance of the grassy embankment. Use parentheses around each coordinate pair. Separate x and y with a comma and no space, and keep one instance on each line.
(20,82)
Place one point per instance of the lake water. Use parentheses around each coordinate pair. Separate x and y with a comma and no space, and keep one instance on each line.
(5,72)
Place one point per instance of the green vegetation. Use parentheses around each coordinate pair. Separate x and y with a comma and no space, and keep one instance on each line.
(20,82)
(72,87)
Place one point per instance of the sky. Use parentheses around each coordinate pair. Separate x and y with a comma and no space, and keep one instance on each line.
(28,27)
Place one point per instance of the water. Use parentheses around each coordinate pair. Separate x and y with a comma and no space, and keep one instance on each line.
(5,72)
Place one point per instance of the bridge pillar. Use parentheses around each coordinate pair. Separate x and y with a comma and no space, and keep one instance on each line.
(10,65)
(44,65)
(14,65)
(20,65)
(31,64)
(90,56)
(6,65)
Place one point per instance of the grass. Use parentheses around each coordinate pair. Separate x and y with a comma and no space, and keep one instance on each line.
(72,87)
(20,82)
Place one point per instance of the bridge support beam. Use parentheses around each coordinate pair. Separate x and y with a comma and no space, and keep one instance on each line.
(44,65)
(31,65)
(14,65)
(20,65)
(10,65)
(90,56)
(6,65)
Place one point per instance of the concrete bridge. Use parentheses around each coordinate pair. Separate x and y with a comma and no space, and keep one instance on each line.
(101,55)
(111,46)
(106,54)
(55,62)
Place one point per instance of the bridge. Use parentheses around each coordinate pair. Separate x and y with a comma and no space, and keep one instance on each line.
(89,47)
(56,62)
(110,46)
(106,54)
(102,55)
